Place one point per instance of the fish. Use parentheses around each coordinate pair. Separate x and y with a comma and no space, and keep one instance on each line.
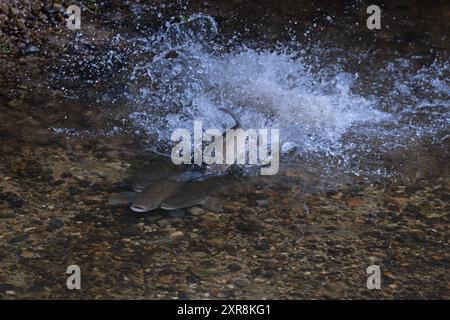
(194,193)
(157,190)
(213,203)
(147,179)
(224,168)
(238,123)
(152,196)
(144,180)
(162,188)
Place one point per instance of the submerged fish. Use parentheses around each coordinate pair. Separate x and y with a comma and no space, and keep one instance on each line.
(152,196)
(178,192)
(194,193)
(146,179)
(237,120)
(169,190)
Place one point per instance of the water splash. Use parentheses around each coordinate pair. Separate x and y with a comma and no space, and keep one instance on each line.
(325,107)
(191,78)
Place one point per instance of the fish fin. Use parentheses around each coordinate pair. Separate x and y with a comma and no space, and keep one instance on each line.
(121,199)
(200,192)
(159,153)
(140,209)
(236,119)
(169,207)
(213,203)
(177,201)
(136,207)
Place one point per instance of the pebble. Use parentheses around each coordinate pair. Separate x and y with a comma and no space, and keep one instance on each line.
(234,267)
(262,203)
(15,103)
(130,231)
(241,282)
(176,234)
(210,216)
(437,258)
(30,49)
(54,224)
(195,211)
(166,279)
(393,286)
(152,218)
(163,223)
(13,199)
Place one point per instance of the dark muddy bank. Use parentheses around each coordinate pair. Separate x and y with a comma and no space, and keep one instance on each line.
(296,235)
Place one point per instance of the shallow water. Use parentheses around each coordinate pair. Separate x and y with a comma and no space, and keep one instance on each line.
(363,179)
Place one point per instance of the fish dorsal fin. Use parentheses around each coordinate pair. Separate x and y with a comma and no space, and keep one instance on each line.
(236,119)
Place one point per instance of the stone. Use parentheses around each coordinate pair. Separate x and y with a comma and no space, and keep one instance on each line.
(354,202)
(195,211)
(241,282)
(15,103)
(262,203)
(54,224)
(233,267)
(176,234)
(30,49)
(130,231)
(210,216)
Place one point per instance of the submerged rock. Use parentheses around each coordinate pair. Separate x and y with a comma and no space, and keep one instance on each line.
(30,49)
(176,234)
(130,231)
(55,224)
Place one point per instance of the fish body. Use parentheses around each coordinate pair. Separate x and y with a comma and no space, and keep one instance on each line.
(152,196)
(143,180)
(169,190)
(194,193)
(237,120)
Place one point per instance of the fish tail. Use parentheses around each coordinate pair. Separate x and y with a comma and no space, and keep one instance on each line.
(234,116)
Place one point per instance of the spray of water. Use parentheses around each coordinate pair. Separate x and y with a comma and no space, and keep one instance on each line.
(192,79)
(184,73)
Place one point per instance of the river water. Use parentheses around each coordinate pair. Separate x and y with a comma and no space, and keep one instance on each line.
(364,123)
(360,112)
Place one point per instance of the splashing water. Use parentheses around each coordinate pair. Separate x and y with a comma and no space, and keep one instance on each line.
(268,89)
(184,73)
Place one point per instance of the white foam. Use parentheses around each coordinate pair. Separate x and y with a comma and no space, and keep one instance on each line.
(268,89)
